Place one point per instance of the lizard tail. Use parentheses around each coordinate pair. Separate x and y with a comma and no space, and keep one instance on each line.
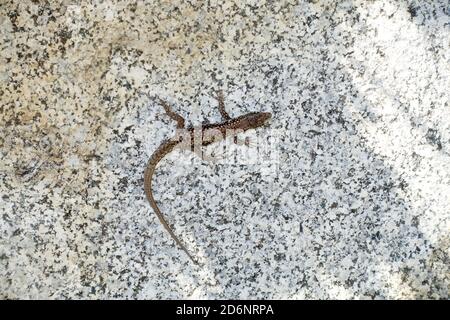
(148,175)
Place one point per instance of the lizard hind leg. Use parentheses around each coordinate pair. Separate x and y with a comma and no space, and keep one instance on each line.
(172,114)
(221,101)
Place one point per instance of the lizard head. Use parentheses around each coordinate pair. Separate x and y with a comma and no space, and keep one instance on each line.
(254,120)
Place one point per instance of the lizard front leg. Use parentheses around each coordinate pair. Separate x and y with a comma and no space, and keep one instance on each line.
(241,142)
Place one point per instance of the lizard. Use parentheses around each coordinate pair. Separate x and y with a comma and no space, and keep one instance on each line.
(210,133)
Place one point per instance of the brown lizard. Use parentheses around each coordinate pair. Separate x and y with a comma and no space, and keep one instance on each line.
(210,133)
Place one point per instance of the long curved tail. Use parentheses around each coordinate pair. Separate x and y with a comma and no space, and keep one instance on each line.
(160,153)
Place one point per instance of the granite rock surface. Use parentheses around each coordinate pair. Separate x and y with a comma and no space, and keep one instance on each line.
(346,194)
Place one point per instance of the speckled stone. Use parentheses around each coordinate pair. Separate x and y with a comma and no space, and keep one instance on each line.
(355,205)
